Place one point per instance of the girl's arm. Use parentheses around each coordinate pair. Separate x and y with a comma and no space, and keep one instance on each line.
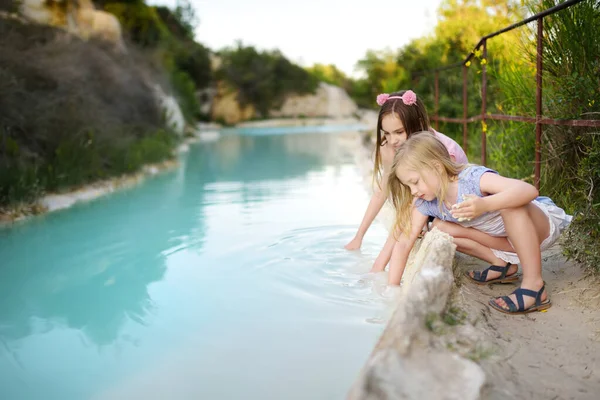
(403,247)
(386,253)
(501,193)
(375,205)
(397,250)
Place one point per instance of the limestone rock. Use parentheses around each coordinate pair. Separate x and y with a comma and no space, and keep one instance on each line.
(226,108)
(404,364)
(206,98)
(168,104)
(328,101)
(92,23)
(368,118)
(78,17)
(422,374)
(42,13)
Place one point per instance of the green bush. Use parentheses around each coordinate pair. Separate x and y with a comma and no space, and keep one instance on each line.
(140,23)
(188,64)
(184,87)
(571,155)
(264,78)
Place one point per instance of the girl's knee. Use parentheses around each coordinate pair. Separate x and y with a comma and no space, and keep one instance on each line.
(437,223)
(446,227)
(508,212)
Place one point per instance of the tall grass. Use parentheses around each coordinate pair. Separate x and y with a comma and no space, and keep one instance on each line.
(571,90)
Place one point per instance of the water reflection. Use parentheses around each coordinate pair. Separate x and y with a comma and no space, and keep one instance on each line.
(188,263)
(88,268)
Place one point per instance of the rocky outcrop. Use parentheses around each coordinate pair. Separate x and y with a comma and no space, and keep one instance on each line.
(173,115)
(405,363)
(368,118)
(328,101)
(227,109)
(79,17)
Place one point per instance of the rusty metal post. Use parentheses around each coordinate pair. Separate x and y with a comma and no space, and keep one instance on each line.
(437,100)
(483,105)
(538,103)
(465,111)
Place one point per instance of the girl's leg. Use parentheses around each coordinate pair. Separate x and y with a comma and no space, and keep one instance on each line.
(458,231)
(478,244)
(527,227)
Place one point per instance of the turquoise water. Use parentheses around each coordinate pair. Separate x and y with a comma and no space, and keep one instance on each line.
(223,279)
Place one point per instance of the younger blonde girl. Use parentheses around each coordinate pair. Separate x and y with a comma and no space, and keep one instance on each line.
(493,217)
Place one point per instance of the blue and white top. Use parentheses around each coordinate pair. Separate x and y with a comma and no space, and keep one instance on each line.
(491,222)
(468,183)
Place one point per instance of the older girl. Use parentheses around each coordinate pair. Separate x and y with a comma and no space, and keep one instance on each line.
(402,114)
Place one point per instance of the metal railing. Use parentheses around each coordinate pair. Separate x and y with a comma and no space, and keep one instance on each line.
(539,119)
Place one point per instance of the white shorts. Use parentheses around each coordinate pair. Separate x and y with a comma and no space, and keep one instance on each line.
(558,220)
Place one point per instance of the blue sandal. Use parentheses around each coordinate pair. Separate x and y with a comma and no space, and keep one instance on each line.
(481,276)
(539,305)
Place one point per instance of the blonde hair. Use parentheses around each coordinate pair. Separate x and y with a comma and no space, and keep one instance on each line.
(421,152)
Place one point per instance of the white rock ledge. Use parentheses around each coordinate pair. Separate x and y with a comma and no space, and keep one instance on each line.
(403,364)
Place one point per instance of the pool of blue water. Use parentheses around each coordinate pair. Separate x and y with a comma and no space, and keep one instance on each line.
(225,278)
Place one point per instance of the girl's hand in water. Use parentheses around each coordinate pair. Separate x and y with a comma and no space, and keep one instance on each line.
(354,244)
(471,207)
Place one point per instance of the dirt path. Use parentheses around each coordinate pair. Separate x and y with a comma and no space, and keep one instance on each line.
(542,355)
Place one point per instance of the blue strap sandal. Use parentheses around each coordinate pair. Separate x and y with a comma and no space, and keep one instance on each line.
(480,277)
(539,305)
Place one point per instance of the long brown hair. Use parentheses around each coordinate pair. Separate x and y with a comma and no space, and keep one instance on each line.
(414,119)
(421,152)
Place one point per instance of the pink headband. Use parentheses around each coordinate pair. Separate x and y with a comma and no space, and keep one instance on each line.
(409,98)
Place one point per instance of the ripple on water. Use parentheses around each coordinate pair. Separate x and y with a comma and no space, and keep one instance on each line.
(311,263)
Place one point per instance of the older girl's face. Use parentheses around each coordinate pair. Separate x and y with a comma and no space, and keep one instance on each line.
(393,130)
(423,185)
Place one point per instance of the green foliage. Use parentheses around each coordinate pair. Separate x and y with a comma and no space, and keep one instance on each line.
(328,73)
(571,155)
(140,23)
(74,163)
(169,34)
(185,15)
(460,26)
(185,88)
(188,65)
(194,60)
(440,324)
(454,316)
(263,78)
(361,92)
(382,73)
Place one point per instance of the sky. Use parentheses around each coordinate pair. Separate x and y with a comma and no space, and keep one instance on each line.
(313,31)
